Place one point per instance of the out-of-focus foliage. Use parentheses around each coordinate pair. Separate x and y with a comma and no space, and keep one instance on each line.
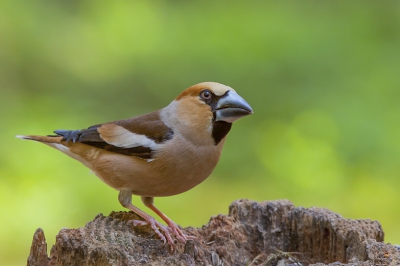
(322,76)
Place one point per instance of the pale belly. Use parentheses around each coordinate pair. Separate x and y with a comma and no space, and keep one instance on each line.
(155,178)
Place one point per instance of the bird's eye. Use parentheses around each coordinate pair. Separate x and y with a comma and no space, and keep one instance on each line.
(206,95)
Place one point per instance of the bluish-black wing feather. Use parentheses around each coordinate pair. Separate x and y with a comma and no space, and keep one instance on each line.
(149,125)
(91,137)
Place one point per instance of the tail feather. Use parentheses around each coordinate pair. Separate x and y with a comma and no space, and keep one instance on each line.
(57,143)
(45,139)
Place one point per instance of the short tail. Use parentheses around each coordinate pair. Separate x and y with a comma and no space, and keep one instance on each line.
(45,139)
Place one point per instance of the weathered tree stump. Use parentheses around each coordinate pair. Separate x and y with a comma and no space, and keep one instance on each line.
(253,233)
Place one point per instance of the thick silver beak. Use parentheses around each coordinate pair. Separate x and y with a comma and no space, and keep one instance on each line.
(231,107)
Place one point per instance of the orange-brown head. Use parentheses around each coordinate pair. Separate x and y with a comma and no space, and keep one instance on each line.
(206,109)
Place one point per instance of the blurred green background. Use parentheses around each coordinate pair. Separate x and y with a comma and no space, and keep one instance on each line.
(322,77)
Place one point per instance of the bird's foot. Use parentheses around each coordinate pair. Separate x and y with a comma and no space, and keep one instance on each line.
(164,232)
(177,232)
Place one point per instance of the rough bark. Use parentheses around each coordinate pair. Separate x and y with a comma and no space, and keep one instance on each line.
(253,233)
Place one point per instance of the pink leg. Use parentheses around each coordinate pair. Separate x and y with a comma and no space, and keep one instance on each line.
(173,227)
(125,198)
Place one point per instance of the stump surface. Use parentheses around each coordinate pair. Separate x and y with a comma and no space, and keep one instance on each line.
(253,233)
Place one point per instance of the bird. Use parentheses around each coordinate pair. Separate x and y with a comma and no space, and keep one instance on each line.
(162,153)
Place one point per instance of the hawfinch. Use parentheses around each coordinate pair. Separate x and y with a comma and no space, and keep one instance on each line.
(162,153)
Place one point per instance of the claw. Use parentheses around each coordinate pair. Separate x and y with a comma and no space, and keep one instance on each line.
(152,225)
(156,226)
(165,233)
(177,232)
(138,222)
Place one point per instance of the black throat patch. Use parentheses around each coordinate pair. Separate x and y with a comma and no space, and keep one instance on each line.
(219,131)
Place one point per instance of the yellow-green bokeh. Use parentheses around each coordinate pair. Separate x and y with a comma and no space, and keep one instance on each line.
(322,77)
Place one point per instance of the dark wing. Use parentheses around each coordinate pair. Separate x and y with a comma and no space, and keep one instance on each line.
(137,136)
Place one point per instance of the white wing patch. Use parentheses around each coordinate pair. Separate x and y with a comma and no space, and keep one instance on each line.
(121,137)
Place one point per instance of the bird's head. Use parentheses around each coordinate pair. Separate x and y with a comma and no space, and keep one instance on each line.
(208,109)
